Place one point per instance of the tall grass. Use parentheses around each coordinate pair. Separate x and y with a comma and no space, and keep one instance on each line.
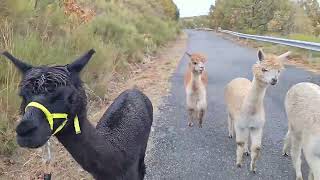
(304,37)
(45,36)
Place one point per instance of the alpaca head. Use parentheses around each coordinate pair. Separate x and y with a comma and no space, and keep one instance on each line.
(56,88)
(268,67)
(197,62)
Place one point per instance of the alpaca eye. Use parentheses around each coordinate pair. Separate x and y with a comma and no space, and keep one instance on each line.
(194,63)
(264,70)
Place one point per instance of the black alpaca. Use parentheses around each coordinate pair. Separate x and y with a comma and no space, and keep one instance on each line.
(115,149)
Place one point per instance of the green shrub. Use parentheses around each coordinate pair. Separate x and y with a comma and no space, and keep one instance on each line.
(250,31)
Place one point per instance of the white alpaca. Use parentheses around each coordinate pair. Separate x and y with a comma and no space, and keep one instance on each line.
(302,105)
(244,100)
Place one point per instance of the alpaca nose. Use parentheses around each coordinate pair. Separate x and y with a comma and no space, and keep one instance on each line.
(201,68)
(26,126)
(274,81)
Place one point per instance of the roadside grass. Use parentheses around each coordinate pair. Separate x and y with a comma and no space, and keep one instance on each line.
(301,57)
(310,56)
(304,37)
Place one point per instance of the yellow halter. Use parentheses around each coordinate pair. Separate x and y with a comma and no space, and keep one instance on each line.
(51,116)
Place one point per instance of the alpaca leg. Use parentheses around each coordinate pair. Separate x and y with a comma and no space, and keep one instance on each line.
(310,177)
(246,147)
(190,117)
(316,172)
(241,136)
(142,168)
(313,162)
(296,155)
(312,156)
(230,126)
(201,115)
(256,137)
(286,144)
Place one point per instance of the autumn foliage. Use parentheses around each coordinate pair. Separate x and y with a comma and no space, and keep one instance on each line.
(261,16)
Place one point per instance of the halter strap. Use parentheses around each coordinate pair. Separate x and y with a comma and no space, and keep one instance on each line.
(51,116)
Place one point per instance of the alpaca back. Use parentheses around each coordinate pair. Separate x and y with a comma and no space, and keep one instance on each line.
(187,77)
(235,93)
(302,106)
(129,118)
(127,124)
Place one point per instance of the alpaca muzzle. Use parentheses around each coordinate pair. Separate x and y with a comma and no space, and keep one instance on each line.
(201,69)
(274,81)
(51,116)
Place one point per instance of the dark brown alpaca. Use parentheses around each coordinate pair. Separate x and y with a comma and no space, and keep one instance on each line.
(115,149)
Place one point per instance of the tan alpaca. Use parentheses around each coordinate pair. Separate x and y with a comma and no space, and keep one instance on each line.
(244,100)
(302,106)
(195,82)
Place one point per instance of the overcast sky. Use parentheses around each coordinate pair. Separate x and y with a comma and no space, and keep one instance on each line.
(193,7)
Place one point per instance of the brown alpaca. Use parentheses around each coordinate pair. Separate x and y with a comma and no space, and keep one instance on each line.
(195,82)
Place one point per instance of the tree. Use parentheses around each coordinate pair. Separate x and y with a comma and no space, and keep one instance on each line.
(302,23)
(312,9)
(211,15)
(283,18)
(170,9)
(248,15)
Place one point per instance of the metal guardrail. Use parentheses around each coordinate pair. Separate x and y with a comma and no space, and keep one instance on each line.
(288,42)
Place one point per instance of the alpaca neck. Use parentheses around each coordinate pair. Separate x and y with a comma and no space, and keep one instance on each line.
(254,100)
(196,79)
(196,76)
(92,150)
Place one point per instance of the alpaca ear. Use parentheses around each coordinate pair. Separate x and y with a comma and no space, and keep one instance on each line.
(188,54)
(284,56)
(81,62)
(261,55)
(204,60)
(22,66)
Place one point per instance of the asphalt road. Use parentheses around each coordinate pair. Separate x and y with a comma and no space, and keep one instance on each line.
(179,152)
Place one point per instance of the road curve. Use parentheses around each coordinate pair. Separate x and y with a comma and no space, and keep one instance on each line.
(178,152)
